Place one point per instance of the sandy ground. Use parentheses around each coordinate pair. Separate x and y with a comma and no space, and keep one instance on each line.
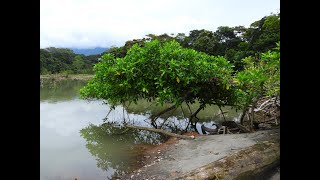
(178,157)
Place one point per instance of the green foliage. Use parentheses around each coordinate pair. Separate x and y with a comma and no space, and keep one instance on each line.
(262,35)
(78,64)
(235,43)
(162,72)
(67,72)
(62,60)
(261,77)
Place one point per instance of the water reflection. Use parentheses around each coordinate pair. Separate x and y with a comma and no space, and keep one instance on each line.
(62,151)
(54,91)
(118,148)
(210,113)
(74,141)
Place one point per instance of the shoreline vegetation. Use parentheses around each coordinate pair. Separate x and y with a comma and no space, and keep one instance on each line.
(59,77)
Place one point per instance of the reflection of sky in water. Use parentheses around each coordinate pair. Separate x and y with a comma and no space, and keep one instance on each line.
(69,117)
(63,154)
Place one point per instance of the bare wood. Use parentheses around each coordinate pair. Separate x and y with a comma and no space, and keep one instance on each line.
(233,129)
(194,115)
(222,113)
(161,131)
(164,121)
(243,128)
(243,115)
(155,117)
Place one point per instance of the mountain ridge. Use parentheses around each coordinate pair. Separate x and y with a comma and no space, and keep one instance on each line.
(89,51)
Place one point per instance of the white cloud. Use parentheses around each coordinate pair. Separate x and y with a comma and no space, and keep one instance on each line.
(91,23)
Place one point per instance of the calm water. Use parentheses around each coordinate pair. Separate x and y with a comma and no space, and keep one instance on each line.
(76,139)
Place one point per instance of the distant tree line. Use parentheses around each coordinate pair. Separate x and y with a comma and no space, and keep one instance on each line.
(234,43)
(63,60)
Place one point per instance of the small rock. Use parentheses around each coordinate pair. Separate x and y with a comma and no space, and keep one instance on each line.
(216,153)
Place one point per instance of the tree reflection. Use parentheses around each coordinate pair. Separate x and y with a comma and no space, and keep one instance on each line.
(64,90)
(117,147)
(208,114)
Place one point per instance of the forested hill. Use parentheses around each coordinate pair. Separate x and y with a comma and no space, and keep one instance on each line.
(233,43)
(63,60)
(93,51)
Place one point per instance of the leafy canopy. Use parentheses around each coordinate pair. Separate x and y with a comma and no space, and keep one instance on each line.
(162,72)
(261,77)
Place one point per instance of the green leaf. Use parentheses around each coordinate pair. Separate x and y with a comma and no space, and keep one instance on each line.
(178,80)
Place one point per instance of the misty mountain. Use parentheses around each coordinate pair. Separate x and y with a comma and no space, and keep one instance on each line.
(97,50)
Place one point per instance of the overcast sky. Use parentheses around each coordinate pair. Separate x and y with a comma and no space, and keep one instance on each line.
(103,23)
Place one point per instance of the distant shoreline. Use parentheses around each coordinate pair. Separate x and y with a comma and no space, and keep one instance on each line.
(59,77)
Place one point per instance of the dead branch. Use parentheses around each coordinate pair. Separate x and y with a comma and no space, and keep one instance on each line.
(161,131)
(243,128)
(243,115)
(167,118)
(194,115)
(155,117)
(222,113)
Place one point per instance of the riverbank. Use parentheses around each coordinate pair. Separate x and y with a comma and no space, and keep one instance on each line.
(59,77)
(230,156)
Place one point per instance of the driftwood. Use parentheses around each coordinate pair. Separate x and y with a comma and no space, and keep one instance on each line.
(161,131)
(243,128)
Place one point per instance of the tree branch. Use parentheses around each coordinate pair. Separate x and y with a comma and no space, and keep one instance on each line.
(161,131)
(155,117)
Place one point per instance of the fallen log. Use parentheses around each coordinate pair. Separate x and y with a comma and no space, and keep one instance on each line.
(161,131)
